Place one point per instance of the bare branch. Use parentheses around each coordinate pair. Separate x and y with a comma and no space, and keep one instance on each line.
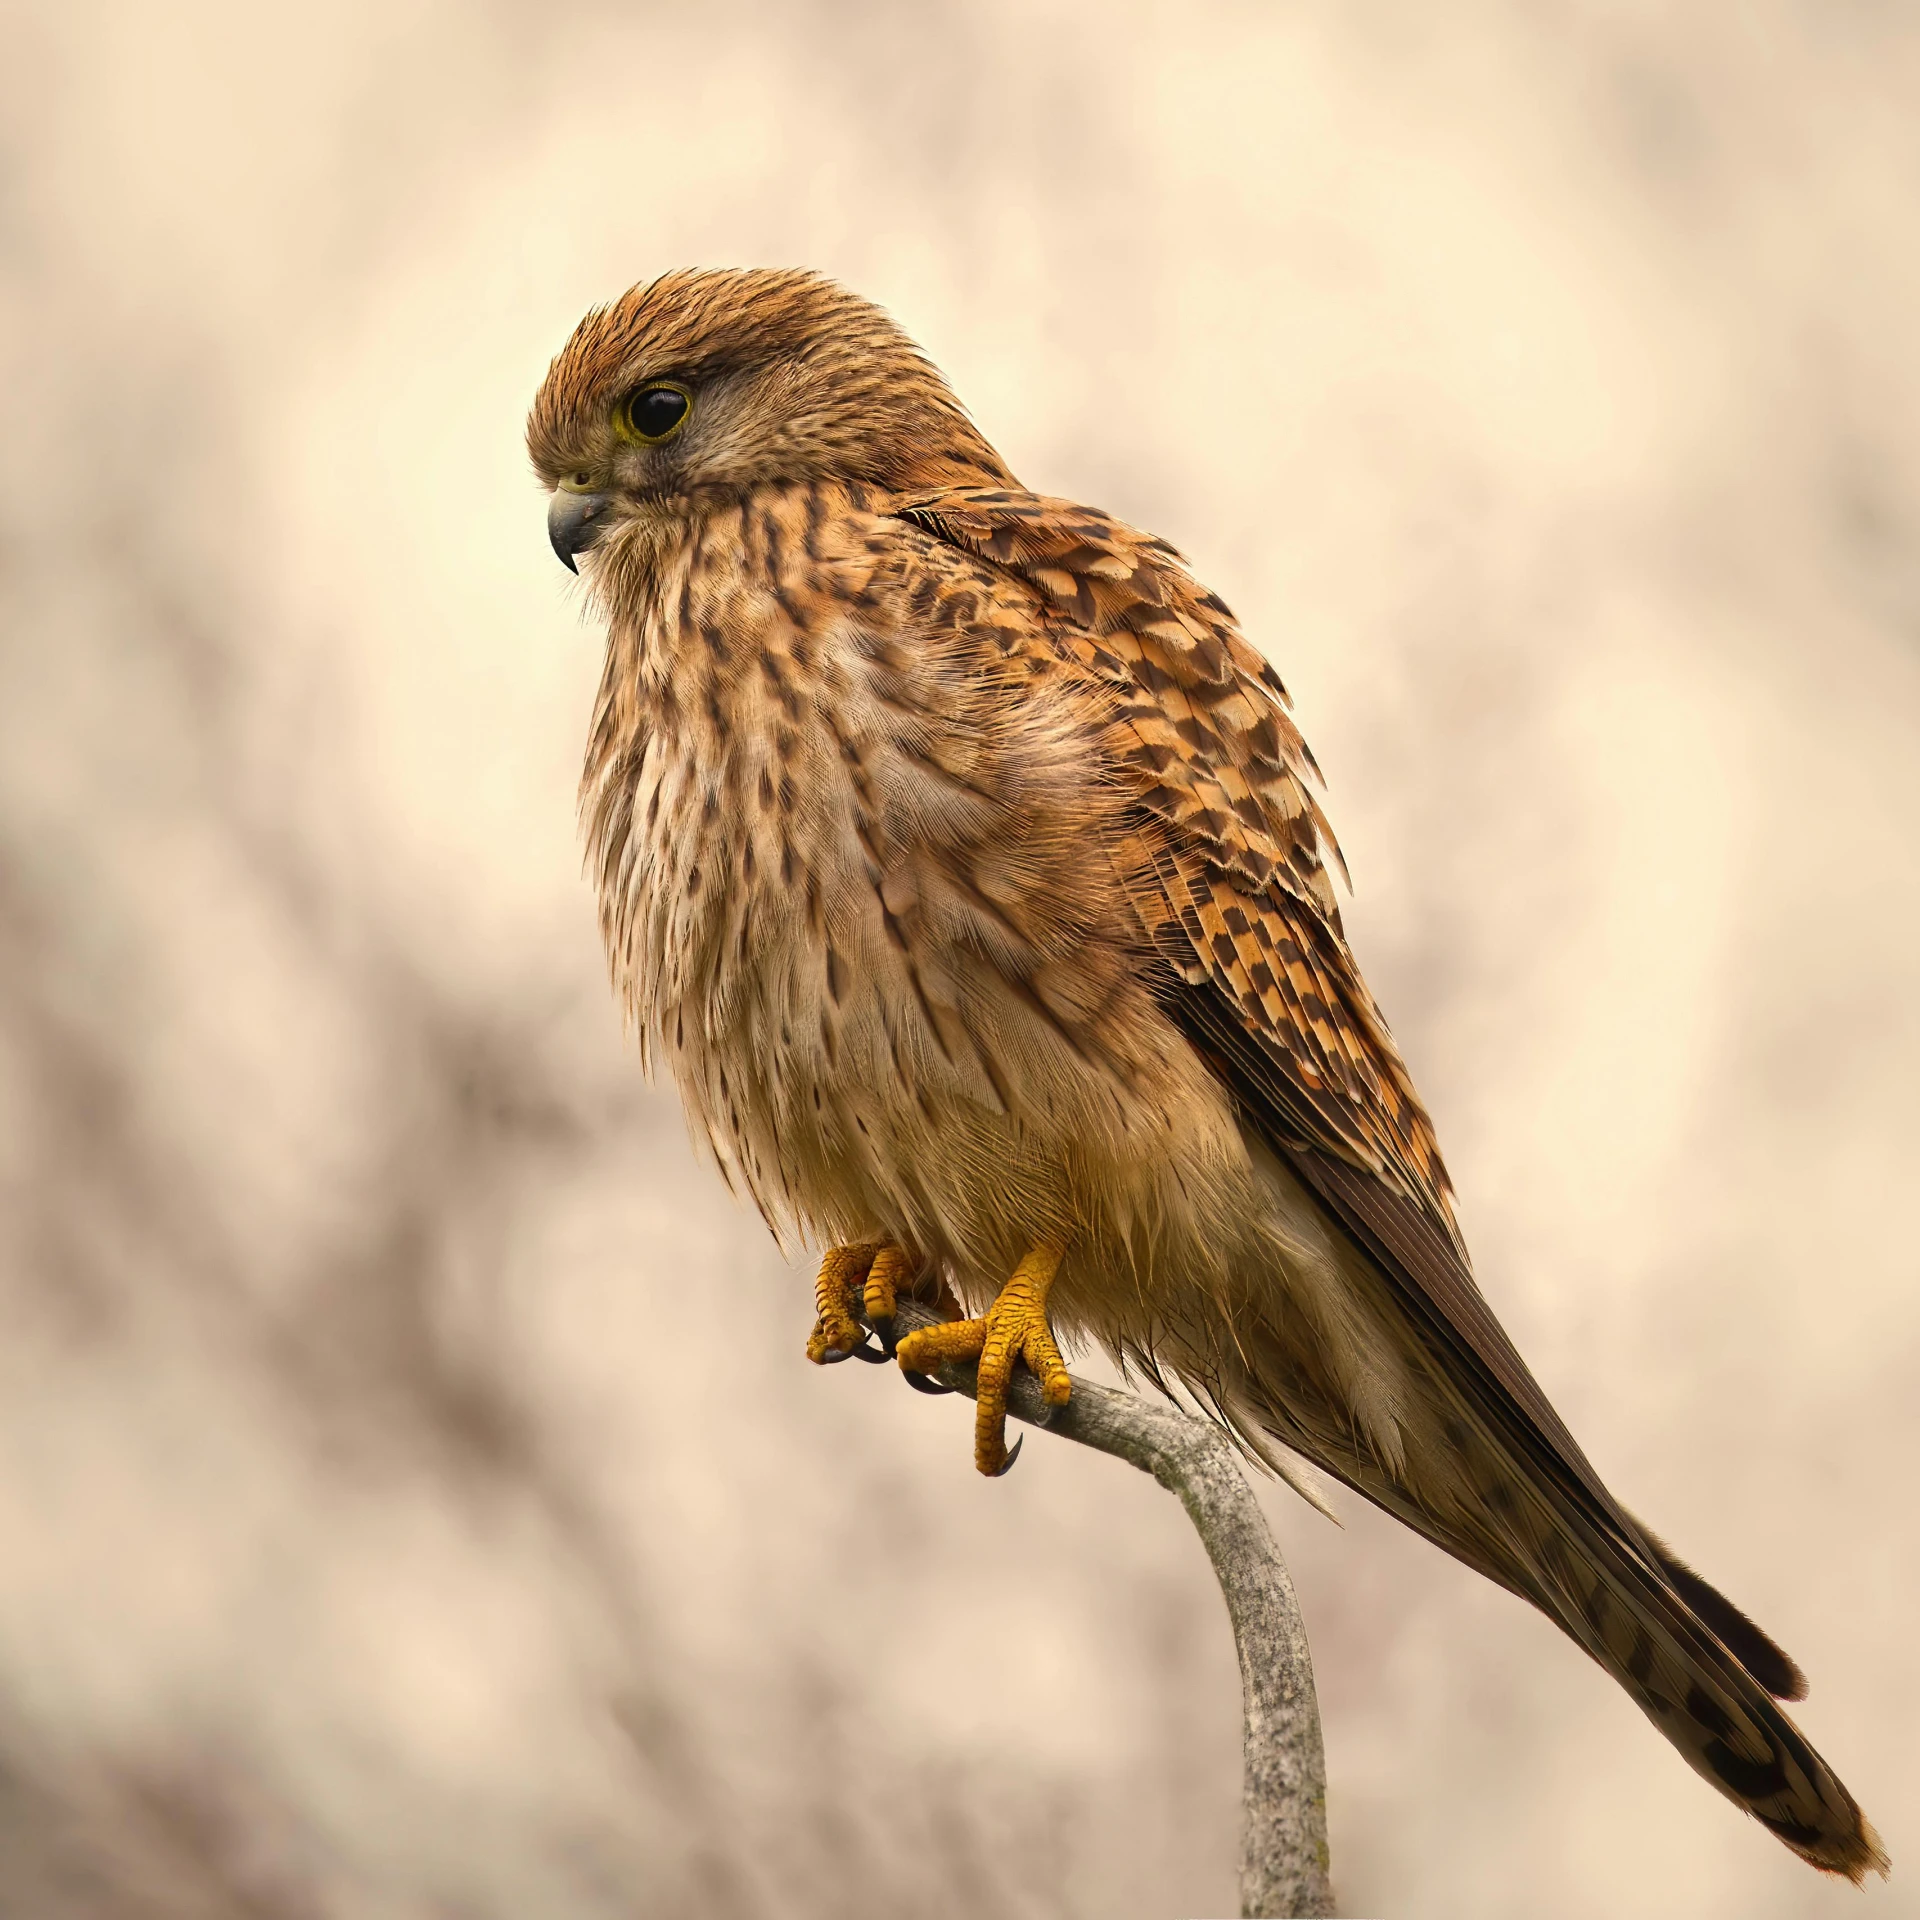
(1283,1831)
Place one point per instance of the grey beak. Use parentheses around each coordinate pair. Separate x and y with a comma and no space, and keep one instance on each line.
(574,521)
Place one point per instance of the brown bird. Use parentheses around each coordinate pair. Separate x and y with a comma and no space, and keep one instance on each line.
(964,862)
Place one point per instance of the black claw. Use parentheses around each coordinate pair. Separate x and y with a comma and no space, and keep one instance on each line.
(923,1382)
(882,1325)
(864,1351)
(871,1354)
(1013,1453)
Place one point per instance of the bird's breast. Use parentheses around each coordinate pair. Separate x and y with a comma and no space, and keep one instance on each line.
(734,835)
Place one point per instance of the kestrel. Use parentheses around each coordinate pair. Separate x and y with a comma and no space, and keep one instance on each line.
(962,859)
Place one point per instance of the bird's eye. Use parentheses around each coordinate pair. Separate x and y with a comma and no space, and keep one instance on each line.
(654,414)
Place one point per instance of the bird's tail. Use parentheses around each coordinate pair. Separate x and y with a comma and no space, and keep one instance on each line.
(1700,1670)
(1710,1680)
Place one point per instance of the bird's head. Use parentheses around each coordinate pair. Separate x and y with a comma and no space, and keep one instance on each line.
(720,382)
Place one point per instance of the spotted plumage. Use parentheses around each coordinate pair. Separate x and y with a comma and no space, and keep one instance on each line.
(963,862)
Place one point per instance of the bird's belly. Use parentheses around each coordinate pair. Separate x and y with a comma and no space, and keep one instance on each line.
(823,1084)
(850,1111)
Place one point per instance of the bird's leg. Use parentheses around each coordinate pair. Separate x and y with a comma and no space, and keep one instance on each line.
(1013,1328)
(865,1272)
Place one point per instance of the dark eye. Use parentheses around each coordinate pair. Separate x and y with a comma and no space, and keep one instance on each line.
(656,413)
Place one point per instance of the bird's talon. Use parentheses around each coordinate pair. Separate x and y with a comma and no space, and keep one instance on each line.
(1013,1453)
(861,1277)
(1014,1328)
(924,1383)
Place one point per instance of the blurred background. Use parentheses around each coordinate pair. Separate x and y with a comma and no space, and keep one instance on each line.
(413,1499)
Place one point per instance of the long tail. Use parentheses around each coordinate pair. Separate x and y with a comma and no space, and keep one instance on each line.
(1489,1494)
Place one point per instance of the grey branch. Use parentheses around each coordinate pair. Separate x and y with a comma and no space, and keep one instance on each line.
(1283,1828)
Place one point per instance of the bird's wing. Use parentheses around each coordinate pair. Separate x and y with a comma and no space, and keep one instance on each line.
(1235,891)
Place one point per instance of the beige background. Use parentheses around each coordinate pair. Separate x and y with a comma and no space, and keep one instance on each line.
(413,1501)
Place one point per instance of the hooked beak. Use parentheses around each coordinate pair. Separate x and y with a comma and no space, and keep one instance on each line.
(574,522)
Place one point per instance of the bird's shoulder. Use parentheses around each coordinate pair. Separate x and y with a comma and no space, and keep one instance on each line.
(1201,721)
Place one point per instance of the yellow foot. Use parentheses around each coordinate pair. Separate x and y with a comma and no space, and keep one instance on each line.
(868,1273)
(1013,1328)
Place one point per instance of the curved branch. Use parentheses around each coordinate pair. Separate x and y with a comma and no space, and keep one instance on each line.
(1283,1827)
